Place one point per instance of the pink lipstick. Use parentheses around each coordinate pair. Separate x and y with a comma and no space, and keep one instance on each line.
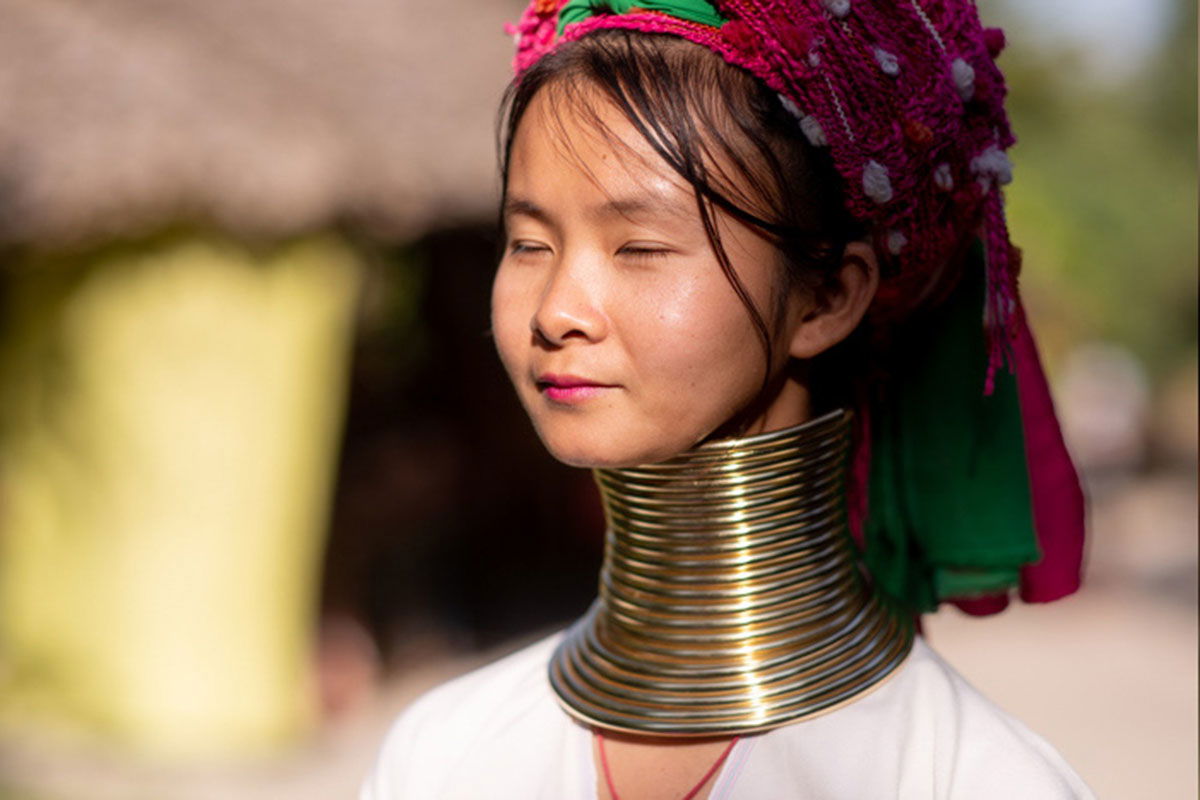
(570,389)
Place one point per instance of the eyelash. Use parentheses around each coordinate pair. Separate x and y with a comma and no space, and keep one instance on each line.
(644,252)
(517,248)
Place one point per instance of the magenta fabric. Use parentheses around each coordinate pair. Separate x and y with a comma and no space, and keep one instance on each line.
(1059,505)
(859,477)
(982,606)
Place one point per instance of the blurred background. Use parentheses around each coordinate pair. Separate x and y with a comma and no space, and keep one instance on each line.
(262,480)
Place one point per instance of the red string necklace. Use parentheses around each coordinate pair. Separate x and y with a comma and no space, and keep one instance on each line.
(695,789)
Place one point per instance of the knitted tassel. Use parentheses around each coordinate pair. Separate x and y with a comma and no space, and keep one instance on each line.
(1001,310)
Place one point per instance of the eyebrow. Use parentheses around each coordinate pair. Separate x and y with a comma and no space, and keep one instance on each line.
(520,207)
(627,207)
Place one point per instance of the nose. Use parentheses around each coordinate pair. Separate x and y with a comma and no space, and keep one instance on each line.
(569,307)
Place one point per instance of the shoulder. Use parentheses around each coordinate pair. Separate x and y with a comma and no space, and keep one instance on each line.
(507,704)
(927,734)
(989,752)
(492,693)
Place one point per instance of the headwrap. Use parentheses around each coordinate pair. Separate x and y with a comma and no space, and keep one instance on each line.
(963,488)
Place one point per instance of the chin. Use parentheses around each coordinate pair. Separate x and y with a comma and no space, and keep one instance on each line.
(575,452)
(577,447)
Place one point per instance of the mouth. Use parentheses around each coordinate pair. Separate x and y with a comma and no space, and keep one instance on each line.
(570,389)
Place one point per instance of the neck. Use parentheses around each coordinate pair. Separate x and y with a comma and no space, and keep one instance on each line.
(731,598)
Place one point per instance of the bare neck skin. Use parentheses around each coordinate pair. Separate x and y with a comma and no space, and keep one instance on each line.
(784,403)
(656,767)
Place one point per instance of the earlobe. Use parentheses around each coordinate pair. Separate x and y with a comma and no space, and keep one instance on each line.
(815,329)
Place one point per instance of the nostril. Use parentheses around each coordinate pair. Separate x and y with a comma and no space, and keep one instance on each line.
(540,339)
(558,327)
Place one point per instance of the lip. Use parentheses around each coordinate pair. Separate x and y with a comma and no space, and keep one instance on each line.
(570,389)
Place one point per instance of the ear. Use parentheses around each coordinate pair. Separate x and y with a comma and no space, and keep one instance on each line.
(816,327)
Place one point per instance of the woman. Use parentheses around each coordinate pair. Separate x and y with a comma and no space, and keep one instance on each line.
(732,232)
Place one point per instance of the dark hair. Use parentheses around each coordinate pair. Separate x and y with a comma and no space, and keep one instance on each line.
(700,115)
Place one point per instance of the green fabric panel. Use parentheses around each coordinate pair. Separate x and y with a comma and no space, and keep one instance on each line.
(691,10)
(950,506)
(891,545)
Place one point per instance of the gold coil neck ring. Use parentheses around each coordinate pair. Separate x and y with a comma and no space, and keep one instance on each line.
(731,597)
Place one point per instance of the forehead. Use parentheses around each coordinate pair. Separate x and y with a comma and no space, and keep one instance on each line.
(575,142)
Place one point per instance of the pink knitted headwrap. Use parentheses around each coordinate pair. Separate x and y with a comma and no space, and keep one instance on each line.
(909,102)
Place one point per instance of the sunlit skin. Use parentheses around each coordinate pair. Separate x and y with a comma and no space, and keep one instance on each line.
(627,344)
(625,341)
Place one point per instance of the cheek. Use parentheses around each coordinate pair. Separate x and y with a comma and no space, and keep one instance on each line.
(510,319)
(701,341)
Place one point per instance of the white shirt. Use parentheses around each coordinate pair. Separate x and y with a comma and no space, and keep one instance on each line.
(925,734)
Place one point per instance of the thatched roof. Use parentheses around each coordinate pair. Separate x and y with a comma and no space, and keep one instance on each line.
(265,116)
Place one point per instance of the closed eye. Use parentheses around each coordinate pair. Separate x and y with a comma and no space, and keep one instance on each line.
(520,247)
(636,251)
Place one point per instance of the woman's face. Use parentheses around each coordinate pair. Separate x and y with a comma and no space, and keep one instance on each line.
(624,339)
